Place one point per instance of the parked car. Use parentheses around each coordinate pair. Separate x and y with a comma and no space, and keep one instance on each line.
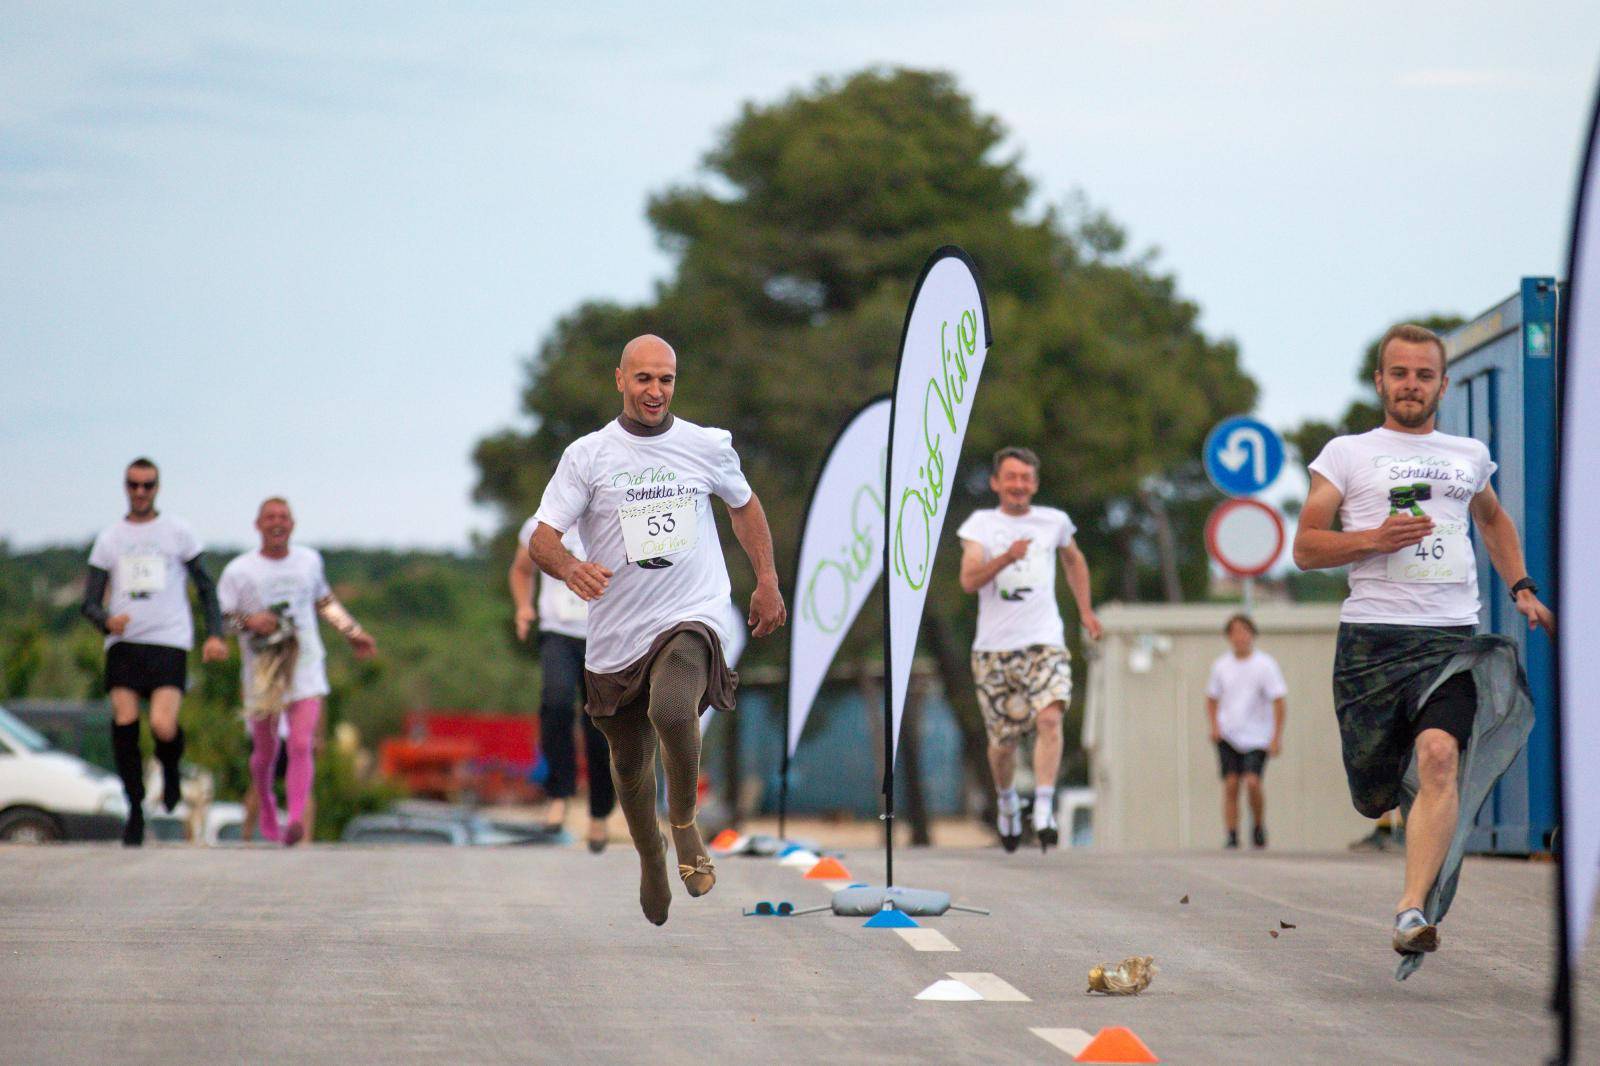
(47,795)
(417,822)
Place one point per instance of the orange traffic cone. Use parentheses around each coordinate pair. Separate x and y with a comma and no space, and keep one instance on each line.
(829,869)
(724,840)
(1116,1044)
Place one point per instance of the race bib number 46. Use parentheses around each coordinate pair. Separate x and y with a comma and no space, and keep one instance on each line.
(653,528)
(142,575)
(1443,557)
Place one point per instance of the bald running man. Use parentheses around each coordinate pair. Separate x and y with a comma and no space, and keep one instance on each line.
(639,493)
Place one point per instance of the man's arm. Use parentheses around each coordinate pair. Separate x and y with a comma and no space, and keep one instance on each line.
(587,581)
(331,611)
(1318,546)
(1280,711)
(215,649)
(1211,713)
(749,523)
(1499,535)
(94,600)
(520,580)
(1076,568)
(976,571)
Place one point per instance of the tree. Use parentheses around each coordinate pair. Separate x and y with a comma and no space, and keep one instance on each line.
(794,262)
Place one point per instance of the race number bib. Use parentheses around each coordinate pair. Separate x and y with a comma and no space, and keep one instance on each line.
(1023,577)
(142,575)
(1443,557)
(653,528)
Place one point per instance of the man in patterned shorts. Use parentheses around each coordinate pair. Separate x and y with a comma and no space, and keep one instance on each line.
(1019,656)
(1431,712)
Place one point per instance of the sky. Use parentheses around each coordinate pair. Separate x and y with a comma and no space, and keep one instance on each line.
(306,249)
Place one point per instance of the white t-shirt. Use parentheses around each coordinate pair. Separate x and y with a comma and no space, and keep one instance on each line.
(1434,583)
(643,508)
(1018,608)
(252,582)
(148,581)
(560,609)
(1244,690)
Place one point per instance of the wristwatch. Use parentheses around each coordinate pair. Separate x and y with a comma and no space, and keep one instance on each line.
(1525,583)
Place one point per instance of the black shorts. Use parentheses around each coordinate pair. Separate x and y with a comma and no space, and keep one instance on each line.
(1235,761)
(146,667)
(1452,708)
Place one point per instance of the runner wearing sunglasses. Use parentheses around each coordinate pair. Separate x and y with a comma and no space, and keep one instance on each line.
(137,595)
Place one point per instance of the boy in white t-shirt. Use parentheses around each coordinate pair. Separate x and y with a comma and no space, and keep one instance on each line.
(1245,703)
(1019,655)
(137,594)
(639,491)
(1416,724)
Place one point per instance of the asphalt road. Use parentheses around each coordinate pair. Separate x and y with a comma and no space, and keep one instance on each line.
(429,955)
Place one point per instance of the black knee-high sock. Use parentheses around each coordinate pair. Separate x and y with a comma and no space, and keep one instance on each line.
(168,752)
(125,750)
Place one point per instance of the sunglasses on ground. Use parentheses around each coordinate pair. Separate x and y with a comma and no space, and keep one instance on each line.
(767,909)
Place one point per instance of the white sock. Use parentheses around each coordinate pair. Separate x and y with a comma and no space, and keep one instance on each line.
(1410,917)
(1008,799)
(1044,806)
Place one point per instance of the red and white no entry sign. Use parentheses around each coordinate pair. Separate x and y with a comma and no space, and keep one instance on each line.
(1245,536)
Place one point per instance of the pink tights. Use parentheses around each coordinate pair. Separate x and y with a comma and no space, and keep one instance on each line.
(303,716)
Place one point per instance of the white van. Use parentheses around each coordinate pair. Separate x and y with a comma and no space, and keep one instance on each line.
(47,795)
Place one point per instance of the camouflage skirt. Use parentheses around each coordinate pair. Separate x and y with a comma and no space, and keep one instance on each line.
(1014,686)
(1381,675)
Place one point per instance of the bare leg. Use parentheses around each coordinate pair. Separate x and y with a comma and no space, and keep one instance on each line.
(1230,803)
(1433,817)
(1003,764)
(1258,799)
(1047,747)
(164,704)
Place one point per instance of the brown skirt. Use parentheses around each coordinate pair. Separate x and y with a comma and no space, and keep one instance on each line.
(606,694)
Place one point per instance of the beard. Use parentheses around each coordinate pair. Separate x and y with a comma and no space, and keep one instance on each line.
(1409,419)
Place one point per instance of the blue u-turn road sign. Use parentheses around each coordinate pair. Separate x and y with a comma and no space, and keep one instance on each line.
(1243,455)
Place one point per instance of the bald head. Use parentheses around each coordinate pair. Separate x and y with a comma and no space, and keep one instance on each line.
(646,376)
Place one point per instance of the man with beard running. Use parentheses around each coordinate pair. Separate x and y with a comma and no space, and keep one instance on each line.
(1430,714)
(137,595)
(639,493)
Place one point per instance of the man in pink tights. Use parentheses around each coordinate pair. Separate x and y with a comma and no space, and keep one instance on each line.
(272,598)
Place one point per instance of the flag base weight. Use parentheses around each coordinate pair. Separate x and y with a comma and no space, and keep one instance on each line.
(862,901)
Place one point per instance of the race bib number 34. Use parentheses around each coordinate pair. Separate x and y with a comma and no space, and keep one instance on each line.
(142,575)
(653,528)
(1442,558)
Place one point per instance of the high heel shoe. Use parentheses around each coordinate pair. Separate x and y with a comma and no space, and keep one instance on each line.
(701,877)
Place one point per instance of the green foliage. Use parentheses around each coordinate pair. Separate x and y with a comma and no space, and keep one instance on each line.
(795,259)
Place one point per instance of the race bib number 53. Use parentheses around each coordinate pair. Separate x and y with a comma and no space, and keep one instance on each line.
(653,528)
(1442,558)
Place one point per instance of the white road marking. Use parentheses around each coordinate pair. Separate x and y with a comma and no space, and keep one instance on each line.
(1072,1041)
(949,992)
(991,987)
(926,939)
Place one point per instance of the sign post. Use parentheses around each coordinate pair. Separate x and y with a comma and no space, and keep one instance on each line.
(1243,456)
